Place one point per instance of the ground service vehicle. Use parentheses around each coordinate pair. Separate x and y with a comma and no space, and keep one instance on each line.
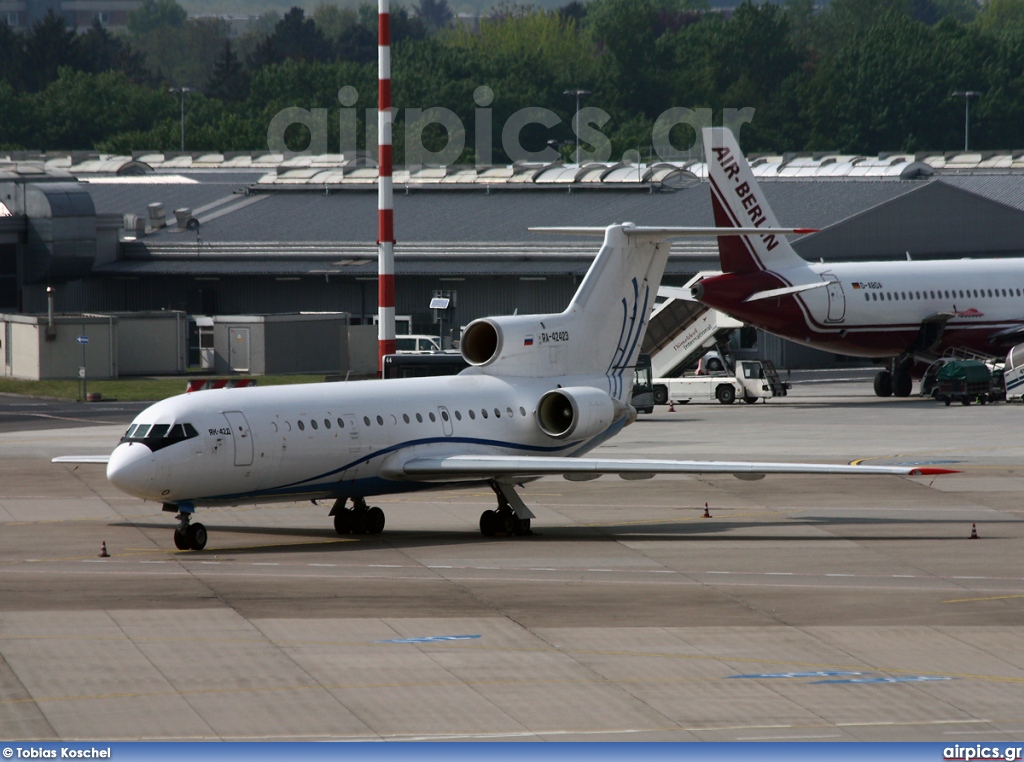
(1013,373)
(643,385)
(753,380)
(417,342)
(964,380)
(420,365)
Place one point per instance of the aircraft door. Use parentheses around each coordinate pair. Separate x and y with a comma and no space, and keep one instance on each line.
(353,432)
(446,420)
(836,299)
(242,436)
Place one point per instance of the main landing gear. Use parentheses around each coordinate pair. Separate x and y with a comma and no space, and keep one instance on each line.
(895,382)
(512,516)
(188,536)
(359,519)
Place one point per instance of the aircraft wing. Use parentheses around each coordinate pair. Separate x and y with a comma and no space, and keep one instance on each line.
(457,467)
(90,459)
(1014,332)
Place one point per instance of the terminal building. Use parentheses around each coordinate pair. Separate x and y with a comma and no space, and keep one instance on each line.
(209,235)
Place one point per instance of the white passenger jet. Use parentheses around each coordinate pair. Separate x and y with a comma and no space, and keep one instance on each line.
(908,312)
(542,391)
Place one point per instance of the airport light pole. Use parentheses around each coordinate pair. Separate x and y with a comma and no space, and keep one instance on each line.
(183,91)
(967,95)
(577,93)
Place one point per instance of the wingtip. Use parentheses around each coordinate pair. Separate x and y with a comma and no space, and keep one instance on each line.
(933,471)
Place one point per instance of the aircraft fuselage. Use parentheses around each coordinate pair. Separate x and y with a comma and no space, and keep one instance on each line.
(876,309)
(329,440)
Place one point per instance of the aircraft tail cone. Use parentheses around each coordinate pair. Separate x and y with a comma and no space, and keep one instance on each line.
(707,513)
(974,531)
(103,550)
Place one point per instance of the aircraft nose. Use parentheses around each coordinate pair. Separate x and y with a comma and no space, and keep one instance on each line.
(132,468)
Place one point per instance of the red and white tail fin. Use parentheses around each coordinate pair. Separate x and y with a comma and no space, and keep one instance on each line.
(738,201)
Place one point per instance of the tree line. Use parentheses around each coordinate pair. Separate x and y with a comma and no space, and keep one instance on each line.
(858,76)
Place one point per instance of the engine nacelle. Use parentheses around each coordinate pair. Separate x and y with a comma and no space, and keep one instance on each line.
(576,411)
(481,341)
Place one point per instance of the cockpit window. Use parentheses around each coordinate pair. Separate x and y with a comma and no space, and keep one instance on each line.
(161,435)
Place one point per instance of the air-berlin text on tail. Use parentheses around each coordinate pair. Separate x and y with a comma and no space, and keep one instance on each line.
(724,158)
(667,133)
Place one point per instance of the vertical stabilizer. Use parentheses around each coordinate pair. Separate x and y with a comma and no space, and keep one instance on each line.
(738,201)
(598,334)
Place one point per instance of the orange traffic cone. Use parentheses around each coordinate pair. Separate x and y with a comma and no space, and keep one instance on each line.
(707,513)
(103,550)
(974,531)
(671,407)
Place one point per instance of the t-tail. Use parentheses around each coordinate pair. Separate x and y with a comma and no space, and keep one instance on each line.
(738,201)
(598,334)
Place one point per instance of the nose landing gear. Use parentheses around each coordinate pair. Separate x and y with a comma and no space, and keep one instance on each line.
(188,536)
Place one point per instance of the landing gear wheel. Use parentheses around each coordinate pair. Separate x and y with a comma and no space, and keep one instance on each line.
(725,394)
(902,384)
(883,384)
(343,521)
(196,537)
(750,400)
(374,521)
(490,523)
(180,540)
(965,401)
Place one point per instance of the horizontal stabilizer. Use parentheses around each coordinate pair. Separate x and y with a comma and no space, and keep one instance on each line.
(775,292)
(495,466)
(676,292)
(89,459)
(666,233)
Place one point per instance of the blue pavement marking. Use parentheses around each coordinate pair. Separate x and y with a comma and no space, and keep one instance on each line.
(430,639)
(908,679)
(796,674)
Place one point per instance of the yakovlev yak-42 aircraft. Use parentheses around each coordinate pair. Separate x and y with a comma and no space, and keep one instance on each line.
(541,392)
(907,312)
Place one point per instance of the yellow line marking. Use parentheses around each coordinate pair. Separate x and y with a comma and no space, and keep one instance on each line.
(989,598)
(208,553)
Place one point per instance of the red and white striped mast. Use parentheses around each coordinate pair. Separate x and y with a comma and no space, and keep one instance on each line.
(385,197)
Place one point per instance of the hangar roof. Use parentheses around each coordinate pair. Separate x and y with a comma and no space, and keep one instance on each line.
(227,215)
